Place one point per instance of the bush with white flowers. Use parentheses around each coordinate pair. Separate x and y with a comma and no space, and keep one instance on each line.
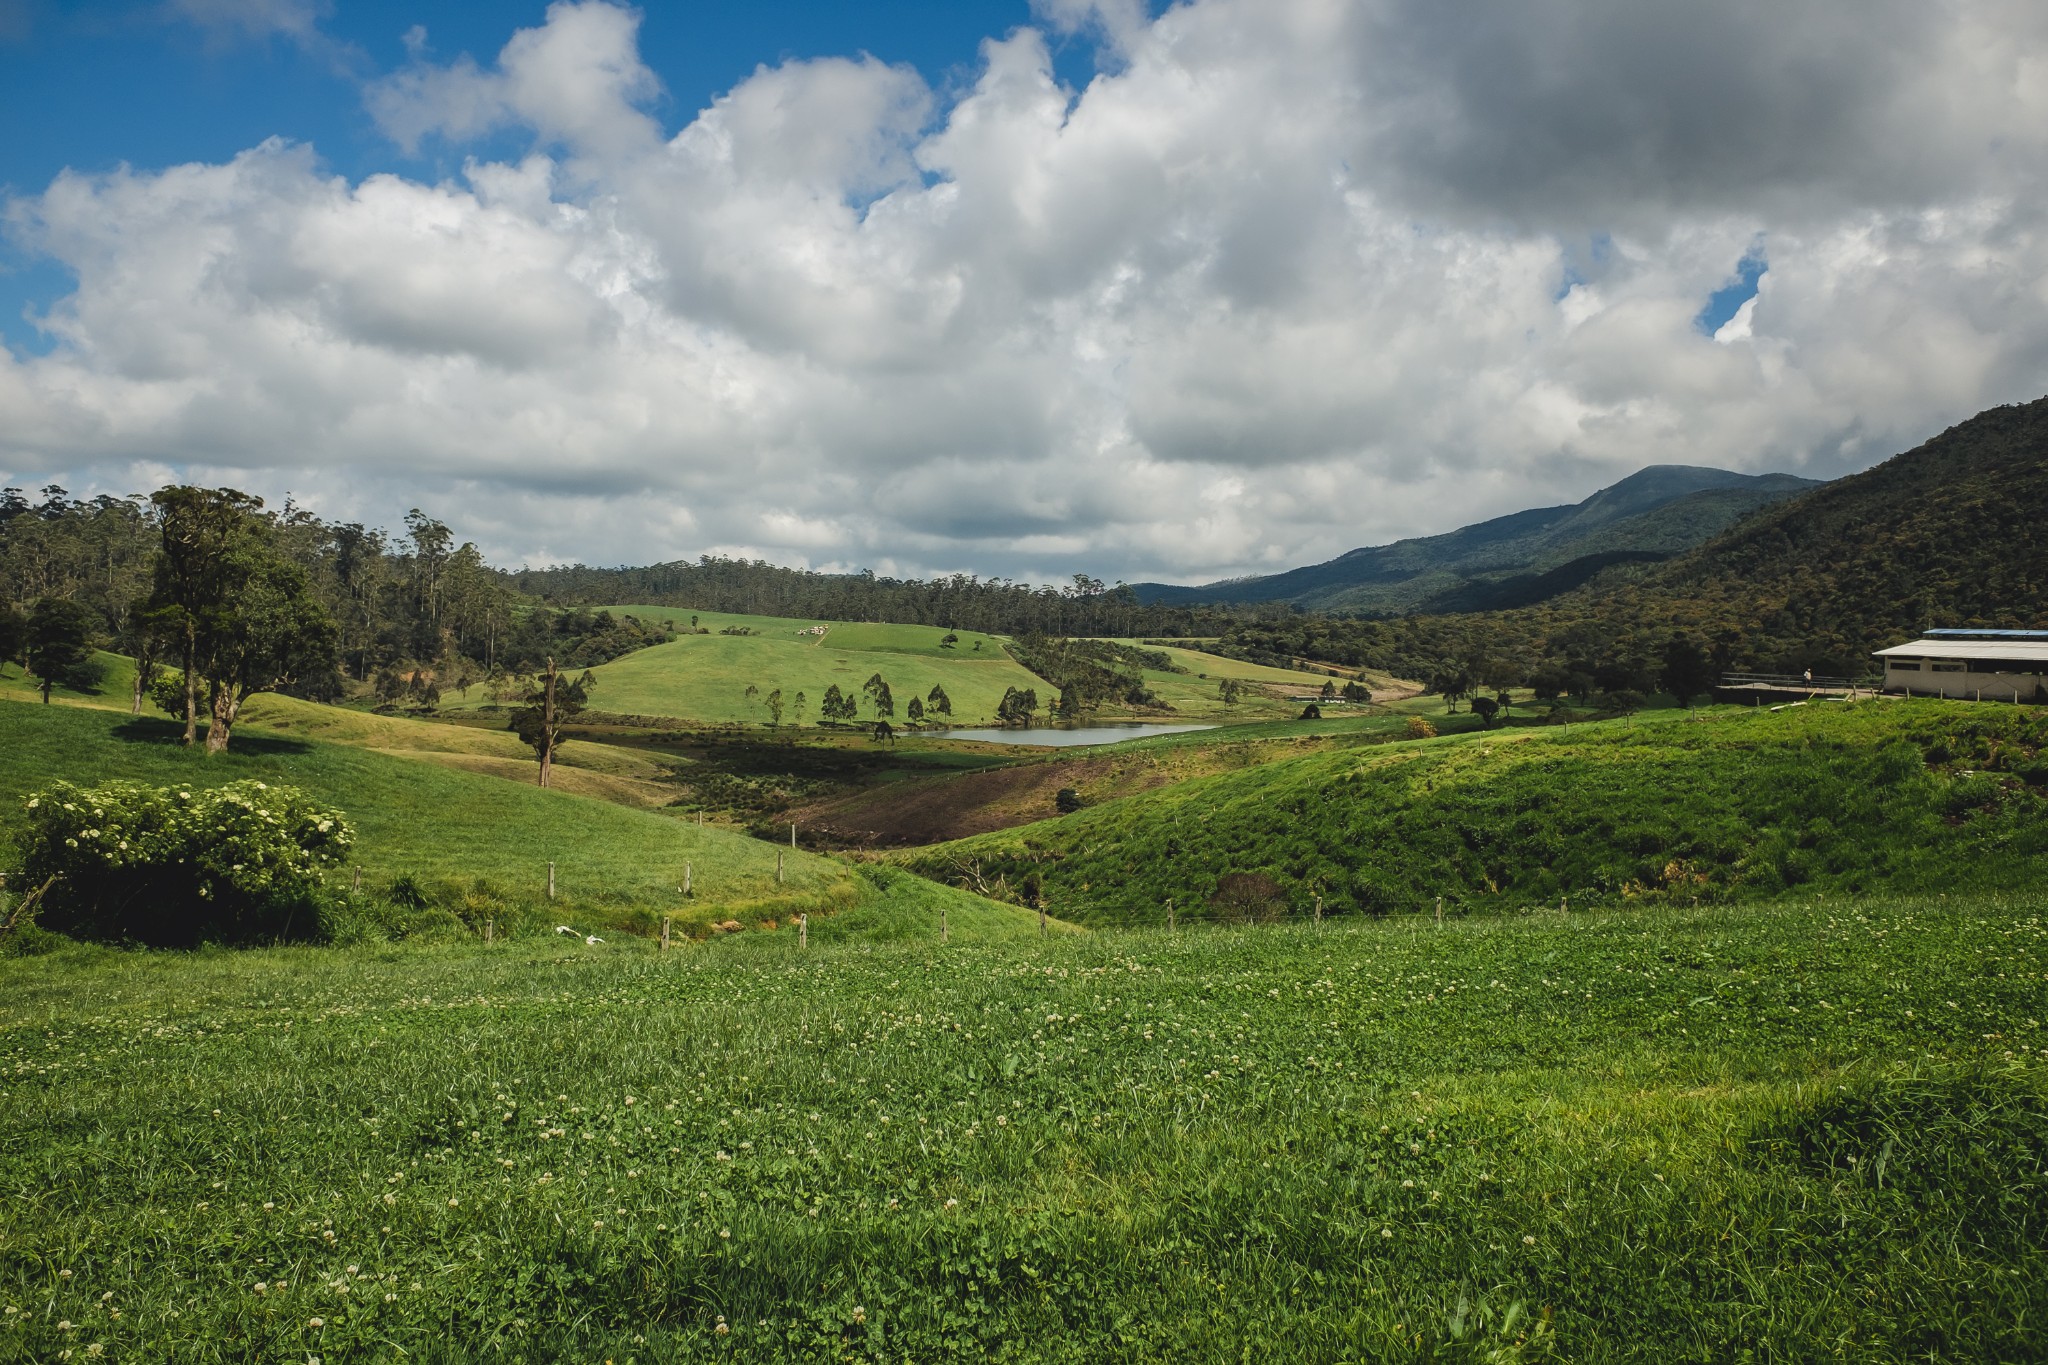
(178,866)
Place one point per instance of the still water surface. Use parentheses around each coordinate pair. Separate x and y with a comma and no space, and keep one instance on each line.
(1065,737)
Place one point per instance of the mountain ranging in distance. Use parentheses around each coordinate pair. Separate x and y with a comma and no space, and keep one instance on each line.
(1953,532)
(1519,559)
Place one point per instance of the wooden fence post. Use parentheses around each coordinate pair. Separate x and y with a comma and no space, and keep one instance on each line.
(1171,927)
(490,925)
(551,881)
(664,931)
(792,834)
(803,931)
(356,881)
(1319,909)
(778,867)
(945,926)
(1041,915)
(1439,912)
(686,881)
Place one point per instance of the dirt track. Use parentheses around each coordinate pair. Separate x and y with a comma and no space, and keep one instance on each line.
(929,810)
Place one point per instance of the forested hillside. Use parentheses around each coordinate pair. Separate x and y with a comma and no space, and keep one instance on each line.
(1652,513)
(1082,606)
(1952,532)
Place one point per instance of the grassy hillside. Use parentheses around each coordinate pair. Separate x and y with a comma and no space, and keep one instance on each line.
(480,844)
(705,677)
(607,772)
(1839,799)
(958,805)
(1806,1132)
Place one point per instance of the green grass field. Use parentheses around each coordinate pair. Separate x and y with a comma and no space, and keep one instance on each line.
(480,845)
(1663,808)
(705,677)
(1795,1132)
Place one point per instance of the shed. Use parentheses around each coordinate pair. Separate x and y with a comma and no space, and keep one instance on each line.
(1973,665)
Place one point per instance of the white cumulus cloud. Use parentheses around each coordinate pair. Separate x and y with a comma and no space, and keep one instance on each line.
(1287,277)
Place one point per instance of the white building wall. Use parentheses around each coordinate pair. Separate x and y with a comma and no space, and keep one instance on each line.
(1966,685)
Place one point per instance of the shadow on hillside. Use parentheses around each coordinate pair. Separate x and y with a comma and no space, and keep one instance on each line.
(146,730)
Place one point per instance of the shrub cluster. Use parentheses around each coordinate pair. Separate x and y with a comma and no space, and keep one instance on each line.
(176,867)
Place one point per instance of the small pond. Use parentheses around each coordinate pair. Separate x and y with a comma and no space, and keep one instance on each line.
(1061,737)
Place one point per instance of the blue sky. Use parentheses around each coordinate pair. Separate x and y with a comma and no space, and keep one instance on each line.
(89,86)
(1036,287)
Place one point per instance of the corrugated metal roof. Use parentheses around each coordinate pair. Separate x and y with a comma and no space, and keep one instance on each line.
(1965,633)
(2027,651)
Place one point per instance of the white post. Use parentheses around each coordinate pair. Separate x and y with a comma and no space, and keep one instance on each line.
(792,834)
(686,880)
(551,881)
(803,931)
(664,932)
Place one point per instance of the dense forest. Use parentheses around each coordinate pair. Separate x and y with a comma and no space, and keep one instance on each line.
(1082,606)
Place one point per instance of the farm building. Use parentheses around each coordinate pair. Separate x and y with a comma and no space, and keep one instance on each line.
(1979,665)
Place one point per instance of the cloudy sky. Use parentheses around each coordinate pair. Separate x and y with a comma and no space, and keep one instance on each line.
(1021,288)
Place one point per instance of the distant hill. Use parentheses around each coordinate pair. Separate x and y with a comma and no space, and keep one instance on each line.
(1952,532)
(1653,513)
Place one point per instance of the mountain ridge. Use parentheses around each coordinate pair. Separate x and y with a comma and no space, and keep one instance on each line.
(1659,510)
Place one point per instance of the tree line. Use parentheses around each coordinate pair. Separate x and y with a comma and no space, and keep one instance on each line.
(213,571)
(1081,606)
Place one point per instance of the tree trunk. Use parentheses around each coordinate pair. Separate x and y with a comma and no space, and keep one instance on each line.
(224,706)
(547,727)
(191,681)
(145,674)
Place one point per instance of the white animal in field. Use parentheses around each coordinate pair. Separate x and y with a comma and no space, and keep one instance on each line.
(565,929)
(592,939)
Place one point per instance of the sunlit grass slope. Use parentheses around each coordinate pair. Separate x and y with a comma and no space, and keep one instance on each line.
(1920,795)
(705,677)
(1193,691)
(608,772)
(1807,1132)
(614,865)
(114,689)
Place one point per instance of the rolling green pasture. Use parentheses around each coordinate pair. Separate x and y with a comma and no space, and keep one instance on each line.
(481,844)
(113,690)
(705,677)
(1193,691)
(607,772)
(1736,803)
(1799,1131)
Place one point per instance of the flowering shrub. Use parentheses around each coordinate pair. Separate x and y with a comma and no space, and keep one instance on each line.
(177,866)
